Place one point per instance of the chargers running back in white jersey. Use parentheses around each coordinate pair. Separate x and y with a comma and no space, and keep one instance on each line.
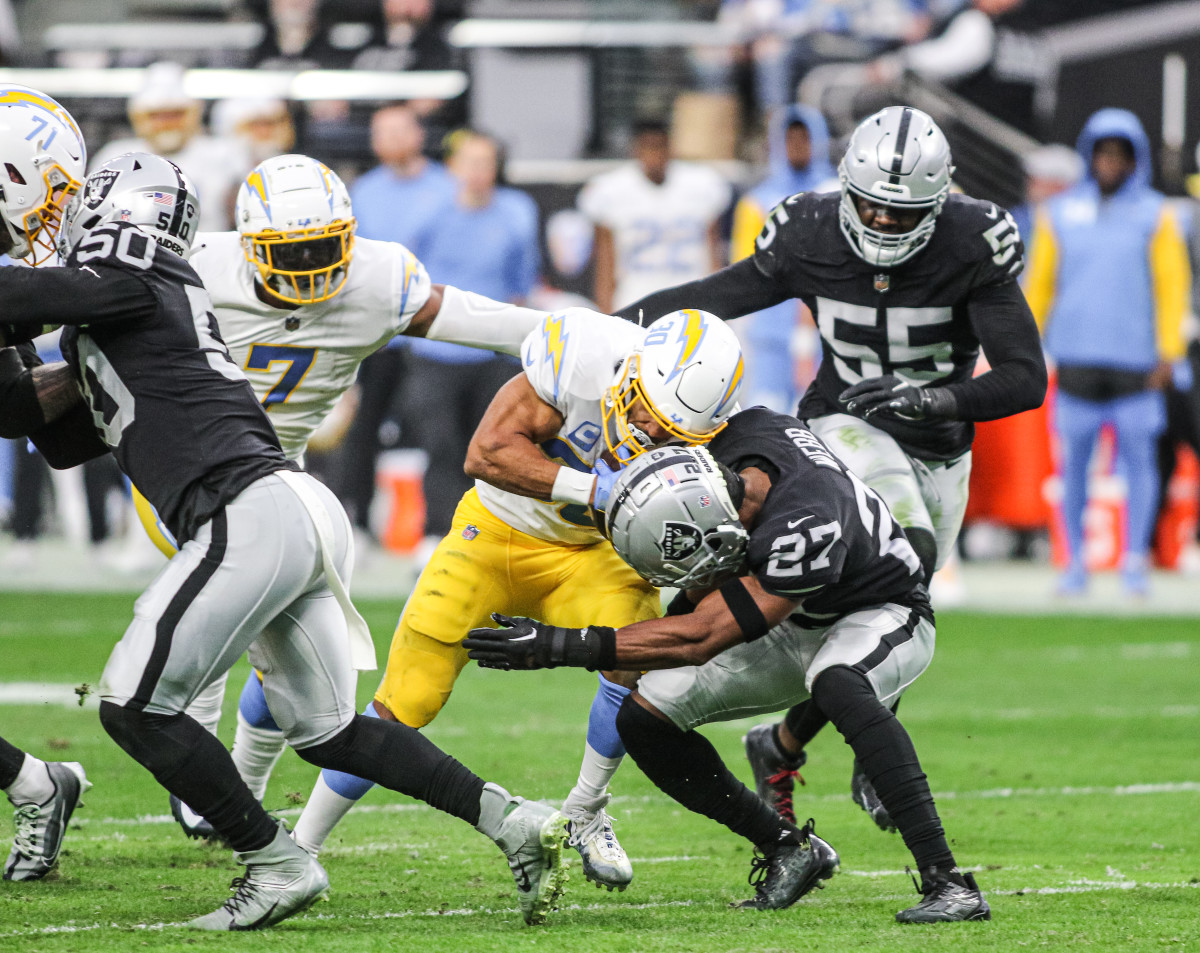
(570,360)
(300,362)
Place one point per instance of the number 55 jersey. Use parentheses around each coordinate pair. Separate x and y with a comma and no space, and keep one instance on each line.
(922,321)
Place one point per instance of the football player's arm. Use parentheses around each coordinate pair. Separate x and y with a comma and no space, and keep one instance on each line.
(505,449)
(37,300)
(741,610)
(604,283)
(1016,382)
(33,394)
(463,317)
(729,293)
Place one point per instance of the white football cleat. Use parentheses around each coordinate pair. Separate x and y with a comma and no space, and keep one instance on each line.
(281,879)
(40,827)
(605,862)
(532,837)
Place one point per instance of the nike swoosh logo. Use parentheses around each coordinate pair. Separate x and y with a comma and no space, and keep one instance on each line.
(523,638)
(257,924)
(994,213)
(792,524)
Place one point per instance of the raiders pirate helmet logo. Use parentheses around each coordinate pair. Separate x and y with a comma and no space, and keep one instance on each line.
(98,186)
(680,540)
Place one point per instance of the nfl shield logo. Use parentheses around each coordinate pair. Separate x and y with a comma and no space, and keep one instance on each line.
(882,281)
(471,531)
(292,323)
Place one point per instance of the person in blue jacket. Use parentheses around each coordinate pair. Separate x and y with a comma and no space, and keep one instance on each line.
(1108,283)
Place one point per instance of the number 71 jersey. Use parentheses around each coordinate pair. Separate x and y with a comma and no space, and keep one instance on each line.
(910,320)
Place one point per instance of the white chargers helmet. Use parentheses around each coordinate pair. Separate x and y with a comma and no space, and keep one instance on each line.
(297,228)
(896,158)
(673,518)
(687,372)
(146,190)
(44,158)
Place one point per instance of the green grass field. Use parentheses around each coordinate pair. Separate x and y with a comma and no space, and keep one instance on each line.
(1065,753)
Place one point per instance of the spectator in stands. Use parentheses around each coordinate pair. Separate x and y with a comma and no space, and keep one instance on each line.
(305,34)
(392,202)
(483,239)
(656,221)
(166,121)
(413,38)
(799,162)
(1109,283)
(985,50)
(263,125)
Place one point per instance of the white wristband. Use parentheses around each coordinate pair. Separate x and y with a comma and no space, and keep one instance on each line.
(571,486)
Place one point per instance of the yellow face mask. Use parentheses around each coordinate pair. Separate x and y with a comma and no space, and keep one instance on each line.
(625,441)
(305,265)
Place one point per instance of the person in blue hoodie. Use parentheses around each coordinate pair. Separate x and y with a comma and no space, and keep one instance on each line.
(799,162)
(1108,284)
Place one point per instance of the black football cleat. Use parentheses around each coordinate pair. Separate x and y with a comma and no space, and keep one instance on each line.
(863,793)
(775,775)
(789,872)
(946,901)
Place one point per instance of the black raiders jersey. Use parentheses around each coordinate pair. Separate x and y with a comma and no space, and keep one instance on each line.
(164,394)
(910,320)
(822,536)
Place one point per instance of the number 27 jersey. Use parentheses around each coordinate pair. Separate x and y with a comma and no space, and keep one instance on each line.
(910,320)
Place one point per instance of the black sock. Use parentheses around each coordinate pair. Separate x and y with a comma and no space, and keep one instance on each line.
(401,758)
(886,754)
(804,720)
(194,766)
(685,765)
(11,759)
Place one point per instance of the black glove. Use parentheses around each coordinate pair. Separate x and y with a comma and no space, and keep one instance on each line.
(891,396)
(522,643)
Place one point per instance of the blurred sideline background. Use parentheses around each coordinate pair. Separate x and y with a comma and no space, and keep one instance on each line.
(568,90)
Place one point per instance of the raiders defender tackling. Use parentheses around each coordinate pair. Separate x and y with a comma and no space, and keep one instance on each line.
(264,550)
(795,582)
(906,281)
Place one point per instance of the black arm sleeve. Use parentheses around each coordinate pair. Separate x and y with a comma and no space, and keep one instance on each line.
(1002,321)
(41,297)
(729,293)
(70,440)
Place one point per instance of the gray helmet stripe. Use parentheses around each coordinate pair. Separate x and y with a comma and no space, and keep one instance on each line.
(901,145)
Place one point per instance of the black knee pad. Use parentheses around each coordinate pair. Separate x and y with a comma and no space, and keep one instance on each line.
(641,730)
(163,744)
(333,753)
(848,700)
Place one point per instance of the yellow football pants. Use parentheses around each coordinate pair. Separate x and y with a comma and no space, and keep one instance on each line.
(485,566)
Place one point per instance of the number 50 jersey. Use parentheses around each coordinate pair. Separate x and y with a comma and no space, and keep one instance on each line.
(911,320)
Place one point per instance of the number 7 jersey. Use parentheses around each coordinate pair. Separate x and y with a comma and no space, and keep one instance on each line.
(300,361)
(911,320)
